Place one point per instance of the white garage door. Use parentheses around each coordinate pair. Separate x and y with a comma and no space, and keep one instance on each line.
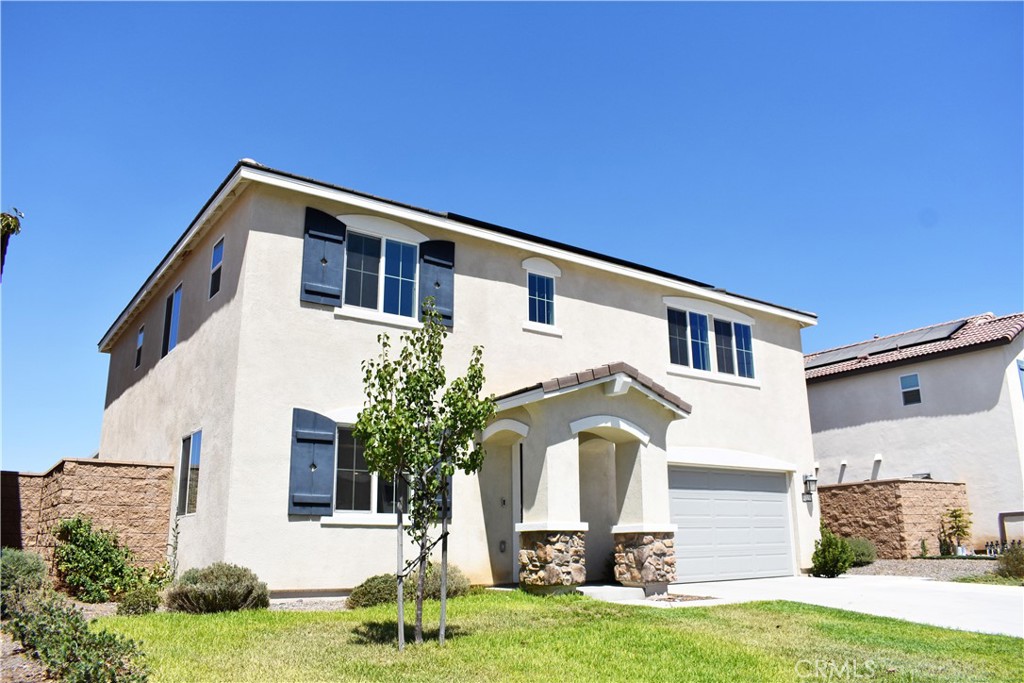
(731,524)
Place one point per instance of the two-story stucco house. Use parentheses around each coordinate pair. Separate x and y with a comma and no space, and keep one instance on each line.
(637,410)
(944,402)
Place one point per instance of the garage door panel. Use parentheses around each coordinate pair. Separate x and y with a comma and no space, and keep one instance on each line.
(731,524)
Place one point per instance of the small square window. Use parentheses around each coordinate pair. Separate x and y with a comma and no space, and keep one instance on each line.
(910,386)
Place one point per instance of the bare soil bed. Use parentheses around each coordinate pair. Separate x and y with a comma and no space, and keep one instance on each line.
(940,570)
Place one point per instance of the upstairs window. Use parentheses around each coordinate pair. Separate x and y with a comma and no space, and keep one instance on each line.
(188,473)
(744,350)
(540,295)
(363,274)
(216,263)
(692,334)
(910,387)
(138,345)
(542,299)
(399,278)
(699,346)
(172,314)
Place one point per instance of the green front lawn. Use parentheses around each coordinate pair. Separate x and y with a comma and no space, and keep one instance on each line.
(994,579)
(510,636)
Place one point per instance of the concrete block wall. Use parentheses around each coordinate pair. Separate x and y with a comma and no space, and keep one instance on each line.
(895,514)
(132,499)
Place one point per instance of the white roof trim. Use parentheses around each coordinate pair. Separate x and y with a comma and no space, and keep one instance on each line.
(727,458)
(246,174)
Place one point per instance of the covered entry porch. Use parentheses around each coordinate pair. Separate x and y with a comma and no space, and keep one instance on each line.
(589,479)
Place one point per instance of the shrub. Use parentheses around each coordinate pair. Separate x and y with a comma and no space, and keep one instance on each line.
(20,572)
(221,587)
(381,589)
(91,562)
(60,637)
(832,555)
(376,590)
(864,552)
(1011,563)
(458,584)
(142,600)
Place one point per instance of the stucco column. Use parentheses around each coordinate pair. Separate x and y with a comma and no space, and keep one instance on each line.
(641,484)
(644,536)
(551,536)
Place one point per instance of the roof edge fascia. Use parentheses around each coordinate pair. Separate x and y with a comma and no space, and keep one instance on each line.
(250,171)
(407,212)
(227,186)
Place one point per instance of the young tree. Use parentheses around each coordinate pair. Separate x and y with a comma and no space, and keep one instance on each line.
(418,427)
(10,224)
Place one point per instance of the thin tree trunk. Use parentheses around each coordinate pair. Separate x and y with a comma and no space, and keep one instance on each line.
(400,576)
(444,563)
(419,589)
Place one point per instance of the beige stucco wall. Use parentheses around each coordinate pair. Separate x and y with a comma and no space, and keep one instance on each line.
(291,354)
(149,410)
(967,429)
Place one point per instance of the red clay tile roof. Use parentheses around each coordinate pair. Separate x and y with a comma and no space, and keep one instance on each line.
(976,331)
(578,378)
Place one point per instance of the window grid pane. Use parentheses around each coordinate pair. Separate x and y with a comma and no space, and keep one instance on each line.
(724,346)
(677,343)
(362,270)
(352,481)
(386,495)
(744,350)
(542,299)
(699,341)
(399,278)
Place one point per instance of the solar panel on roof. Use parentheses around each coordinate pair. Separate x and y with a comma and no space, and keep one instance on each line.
(897,341)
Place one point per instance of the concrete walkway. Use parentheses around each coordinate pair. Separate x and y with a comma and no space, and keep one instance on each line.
(965,606)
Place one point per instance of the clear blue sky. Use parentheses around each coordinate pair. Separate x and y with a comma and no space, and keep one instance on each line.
(861,161)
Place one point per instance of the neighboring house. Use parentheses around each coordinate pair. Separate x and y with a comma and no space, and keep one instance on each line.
(944,402)
(675,431)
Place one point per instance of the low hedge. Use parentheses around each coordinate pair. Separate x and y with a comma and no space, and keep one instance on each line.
(221,587)
(864,552)
(142,600)
(382,588)
(58,635)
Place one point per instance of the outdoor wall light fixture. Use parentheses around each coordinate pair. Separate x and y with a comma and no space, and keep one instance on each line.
(810,486)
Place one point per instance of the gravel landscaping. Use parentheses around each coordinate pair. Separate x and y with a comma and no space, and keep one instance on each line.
(939,570)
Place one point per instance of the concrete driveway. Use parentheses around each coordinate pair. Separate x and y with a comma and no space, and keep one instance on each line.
(964,606)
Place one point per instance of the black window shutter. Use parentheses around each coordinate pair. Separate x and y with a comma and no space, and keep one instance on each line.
(323,258)
(437,277)
(311,484)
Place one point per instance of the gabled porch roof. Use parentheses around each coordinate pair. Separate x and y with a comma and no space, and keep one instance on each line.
(619,377)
